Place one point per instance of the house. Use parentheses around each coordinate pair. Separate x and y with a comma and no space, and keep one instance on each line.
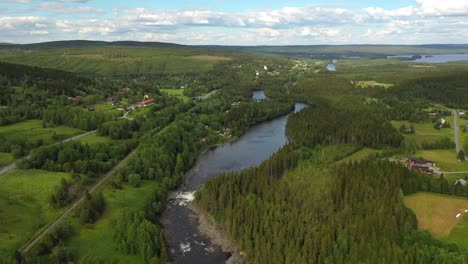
(110,99)
(433,114)
(413,161)
(461,181)
(226,131)
(147,102)
(265,68)
(462,114)
(421,169)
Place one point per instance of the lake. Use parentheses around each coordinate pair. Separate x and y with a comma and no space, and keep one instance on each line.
(439,58)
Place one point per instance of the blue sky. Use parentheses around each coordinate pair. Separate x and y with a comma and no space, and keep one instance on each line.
(237,22)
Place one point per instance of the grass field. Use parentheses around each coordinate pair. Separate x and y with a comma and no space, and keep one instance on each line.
(6,159)
(97,240)
(24,205)
(210,58)
(446,160)
(139,111)
(117,60)
(367,84)
(33,130)
(94,139)
(179,93)
(437,213)
(459,234)
(105,107)
(359,155)
(425,132)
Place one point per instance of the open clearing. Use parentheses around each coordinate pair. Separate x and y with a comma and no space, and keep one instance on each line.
(33,130)
(179,93)
(359,155)
(446,160)
(425,132)
(94,139)
(210,58)
(437,213)
(367,84)
(96,240)
(24,205)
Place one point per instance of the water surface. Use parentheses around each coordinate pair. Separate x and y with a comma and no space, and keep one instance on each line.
(186,245)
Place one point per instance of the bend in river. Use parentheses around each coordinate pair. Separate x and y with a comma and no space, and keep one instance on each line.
(185,243)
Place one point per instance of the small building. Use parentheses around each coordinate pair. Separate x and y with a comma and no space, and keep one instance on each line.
(434,114)
(413,161)
(462,114)
(110,99)
(147,102)
(461,181)
(421,169)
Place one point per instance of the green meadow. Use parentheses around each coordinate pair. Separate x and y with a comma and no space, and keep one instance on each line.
(359,155)
(179,93)
(94,139)
(446,160)
(33,130)
(24,205)
(425,132)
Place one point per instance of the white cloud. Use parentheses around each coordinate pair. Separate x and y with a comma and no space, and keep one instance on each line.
(426,21)
(67,9)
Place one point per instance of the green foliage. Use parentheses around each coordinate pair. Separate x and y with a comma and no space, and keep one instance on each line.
(326,124)
(359,216)
(461,155)
(92,208)
(135,235)
(448,89)
(134,180)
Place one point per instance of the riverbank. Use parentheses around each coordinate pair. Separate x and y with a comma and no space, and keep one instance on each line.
(208,227)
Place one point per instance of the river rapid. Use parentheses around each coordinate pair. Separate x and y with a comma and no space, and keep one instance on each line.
(186,245)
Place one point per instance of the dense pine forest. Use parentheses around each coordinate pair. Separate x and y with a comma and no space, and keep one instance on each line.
(357,215)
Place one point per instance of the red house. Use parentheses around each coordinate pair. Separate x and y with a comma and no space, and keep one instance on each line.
(147,102)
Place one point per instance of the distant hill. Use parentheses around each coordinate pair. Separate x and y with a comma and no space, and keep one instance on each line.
(87,43)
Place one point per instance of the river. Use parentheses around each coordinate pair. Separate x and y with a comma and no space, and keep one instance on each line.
(185,243)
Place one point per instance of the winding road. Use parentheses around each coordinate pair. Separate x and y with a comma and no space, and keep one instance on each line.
(14,165)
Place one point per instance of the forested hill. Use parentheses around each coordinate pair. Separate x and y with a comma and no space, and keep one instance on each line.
(449,89)
(87,43)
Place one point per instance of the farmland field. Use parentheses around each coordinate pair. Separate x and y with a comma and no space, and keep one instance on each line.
(179,93)
(445,159)
(425,132)
(33,130)
(366,84)
(437,213)
(459,234)
(24,205)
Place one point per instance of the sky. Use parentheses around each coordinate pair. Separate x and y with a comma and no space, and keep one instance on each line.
(237,22)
